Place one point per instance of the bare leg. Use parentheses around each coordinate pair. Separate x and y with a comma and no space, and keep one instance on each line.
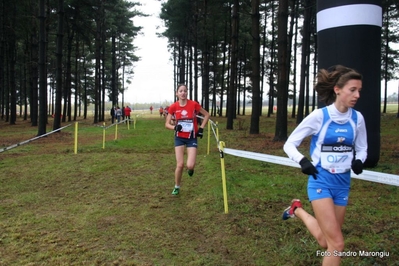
(327,228)
(179,151)
(312,225)
(191,157)
(330,219)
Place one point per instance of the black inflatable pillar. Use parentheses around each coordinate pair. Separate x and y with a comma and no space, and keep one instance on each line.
(349,34)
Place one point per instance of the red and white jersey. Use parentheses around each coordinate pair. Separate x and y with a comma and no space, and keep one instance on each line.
(186,116)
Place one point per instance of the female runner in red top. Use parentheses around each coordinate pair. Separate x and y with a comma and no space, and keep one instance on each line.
(186,132)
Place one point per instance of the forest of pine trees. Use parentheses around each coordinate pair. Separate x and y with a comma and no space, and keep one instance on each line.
(57,57)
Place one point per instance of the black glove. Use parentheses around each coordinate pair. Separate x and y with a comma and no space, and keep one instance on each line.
(178,128)
(308,168)
(357,166)
(200,133)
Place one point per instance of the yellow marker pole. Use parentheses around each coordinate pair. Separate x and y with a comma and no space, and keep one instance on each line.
(217,131)
(116,131)
(209,138)
(128,123)
(134,123)
(104,135)
(76,138)
(226,207)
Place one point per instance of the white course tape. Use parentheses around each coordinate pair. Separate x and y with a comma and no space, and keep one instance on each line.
(201,117)
(377,177)
(213,126)
(29,140)
(111,125)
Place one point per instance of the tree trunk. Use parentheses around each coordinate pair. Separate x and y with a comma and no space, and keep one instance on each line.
(385,69)
(58,89)
(263,68)
(113,73)
(77,81)
(102,92)
(68,76)
(282,84)
(272,64)
(12,62)
(305,54)
(223,80)
(231,100)
(293,52)
(42,71)
(255,63)
(97,64)
(33,84)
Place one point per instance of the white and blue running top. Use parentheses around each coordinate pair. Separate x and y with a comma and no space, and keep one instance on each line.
(336,138)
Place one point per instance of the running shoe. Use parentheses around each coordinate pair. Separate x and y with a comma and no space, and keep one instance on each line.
(190,172)
(175,191)
(290,211)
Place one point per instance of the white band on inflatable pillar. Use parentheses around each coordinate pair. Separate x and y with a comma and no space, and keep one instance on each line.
(360,14)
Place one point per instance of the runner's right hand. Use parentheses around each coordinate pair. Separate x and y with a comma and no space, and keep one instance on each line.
(308,168)
(178,128)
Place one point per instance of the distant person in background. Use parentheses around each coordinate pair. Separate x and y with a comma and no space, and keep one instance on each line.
(112,113)
(118,114)
(165,114)
(166,111)
(127,111)
(186,132)
(338,144)
(151,108)
(160,111)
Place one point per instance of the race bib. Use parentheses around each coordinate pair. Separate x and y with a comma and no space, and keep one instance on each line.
(336,159)
(187,125)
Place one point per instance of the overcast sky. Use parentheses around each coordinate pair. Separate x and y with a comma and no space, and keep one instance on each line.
(153,74)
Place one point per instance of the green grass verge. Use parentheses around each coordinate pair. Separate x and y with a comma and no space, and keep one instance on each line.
(113,206)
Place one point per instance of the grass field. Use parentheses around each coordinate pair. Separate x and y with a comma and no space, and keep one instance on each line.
(113,206)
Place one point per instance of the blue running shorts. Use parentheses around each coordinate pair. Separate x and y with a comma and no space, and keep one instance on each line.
(190,143)
(339,196)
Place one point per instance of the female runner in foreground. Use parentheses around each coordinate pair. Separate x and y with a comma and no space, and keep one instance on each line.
(186,129)
(338,144)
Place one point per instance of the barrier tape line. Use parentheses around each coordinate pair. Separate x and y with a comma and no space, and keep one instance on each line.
(372,176)
(213,126)
(122,121)
(32,139)
(38,137)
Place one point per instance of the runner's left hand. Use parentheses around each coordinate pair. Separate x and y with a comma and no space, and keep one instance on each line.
(357,166)
(200,132)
